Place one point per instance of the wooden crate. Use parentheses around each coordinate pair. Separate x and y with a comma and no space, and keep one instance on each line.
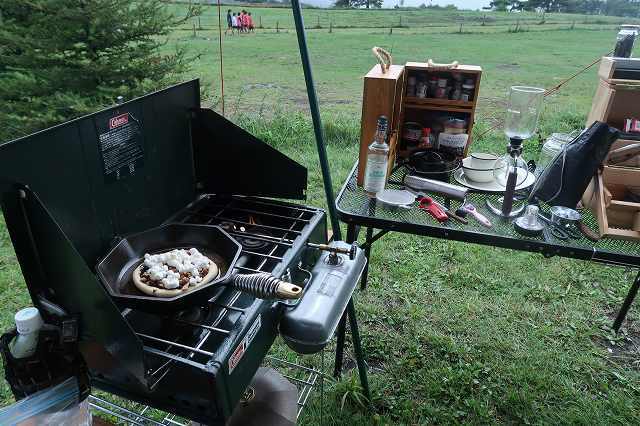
(620,143)
(416,109)
(617,218)
(382,95)
(611,68)
(615,101)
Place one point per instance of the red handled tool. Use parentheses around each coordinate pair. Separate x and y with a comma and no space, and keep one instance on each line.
(427,204)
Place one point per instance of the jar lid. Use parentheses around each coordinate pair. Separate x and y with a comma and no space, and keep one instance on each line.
(455,123)
(28,320)
(556,141)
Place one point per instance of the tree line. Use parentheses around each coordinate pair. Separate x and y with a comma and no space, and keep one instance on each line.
(594,7)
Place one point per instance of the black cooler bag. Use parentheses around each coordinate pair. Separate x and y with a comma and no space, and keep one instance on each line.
(566,178)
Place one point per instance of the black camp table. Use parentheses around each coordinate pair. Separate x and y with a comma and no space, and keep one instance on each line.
(357,210)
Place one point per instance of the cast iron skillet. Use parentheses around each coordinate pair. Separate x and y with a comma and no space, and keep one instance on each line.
(116,268)
(430,164)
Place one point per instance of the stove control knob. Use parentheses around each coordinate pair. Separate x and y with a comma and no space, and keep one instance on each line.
(334,259)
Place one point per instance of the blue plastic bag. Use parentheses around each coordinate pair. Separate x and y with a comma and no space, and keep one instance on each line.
(57,405)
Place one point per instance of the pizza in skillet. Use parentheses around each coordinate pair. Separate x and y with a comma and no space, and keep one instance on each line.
(174,272)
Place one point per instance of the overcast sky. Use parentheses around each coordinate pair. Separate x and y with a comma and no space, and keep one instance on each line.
(461,4)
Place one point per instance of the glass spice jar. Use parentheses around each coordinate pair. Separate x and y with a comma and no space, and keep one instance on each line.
(456,94)
(468,89)
(433,86)
(411,86)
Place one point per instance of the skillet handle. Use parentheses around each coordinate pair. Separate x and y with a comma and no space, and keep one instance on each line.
(287,290)
(266,286)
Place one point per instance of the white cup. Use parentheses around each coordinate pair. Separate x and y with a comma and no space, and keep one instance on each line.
(481,160)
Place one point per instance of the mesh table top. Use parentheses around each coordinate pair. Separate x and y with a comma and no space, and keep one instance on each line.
(356,208)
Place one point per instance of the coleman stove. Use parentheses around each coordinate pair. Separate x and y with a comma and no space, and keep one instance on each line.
(85,200)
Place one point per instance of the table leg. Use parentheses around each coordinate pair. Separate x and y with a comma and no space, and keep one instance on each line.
(357,348)
(633,292)
(367,254)
(352,233)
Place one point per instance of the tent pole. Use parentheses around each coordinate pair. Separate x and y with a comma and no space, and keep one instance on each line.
(315,116)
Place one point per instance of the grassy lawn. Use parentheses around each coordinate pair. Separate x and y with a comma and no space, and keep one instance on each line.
(453,333)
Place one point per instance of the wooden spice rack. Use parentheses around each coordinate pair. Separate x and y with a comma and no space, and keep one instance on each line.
(384,94)
(426,110)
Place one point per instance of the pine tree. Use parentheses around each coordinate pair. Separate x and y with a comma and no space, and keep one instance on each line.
(63,58)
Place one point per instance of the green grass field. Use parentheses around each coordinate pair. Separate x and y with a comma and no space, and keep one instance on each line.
(452,333)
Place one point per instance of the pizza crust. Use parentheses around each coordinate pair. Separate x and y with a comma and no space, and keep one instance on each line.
(163,292)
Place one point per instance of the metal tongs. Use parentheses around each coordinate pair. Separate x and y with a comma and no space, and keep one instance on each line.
(561,232)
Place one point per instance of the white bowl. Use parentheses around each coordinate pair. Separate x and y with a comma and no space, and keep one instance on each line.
(483,160)
(482,175)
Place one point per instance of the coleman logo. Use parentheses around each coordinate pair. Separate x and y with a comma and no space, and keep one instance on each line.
(241,349)
(118,121)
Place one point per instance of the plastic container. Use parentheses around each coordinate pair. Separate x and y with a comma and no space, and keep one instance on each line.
(551,148)
(28,324)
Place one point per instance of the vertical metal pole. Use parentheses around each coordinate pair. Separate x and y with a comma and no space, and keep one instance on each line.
(315,116)
(357,349)
(367,254)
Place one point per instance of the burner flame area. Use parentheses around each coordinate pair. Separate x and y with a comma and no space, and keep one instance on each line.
(254,230)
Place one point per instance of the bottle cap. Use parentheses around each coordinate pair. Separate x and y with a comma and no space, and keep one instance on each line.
(382,123)
(28,320)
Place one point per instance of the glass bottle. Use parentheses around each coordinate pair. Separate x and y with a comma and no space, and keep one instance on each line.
(377,160)
(553,146)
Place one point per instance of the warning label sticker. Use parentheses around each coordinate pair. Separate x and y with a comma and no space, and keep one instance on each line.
(120,144)
(241,349)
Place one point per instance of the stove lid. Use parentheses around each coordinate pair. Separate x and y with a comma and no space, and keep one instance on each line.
(130,167)
(231,161)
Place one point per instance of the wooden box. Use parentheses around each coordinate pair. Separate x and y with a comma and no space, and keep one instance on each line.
(619,68)
(382,95)
(617,218)
(620,143)
(423,110)
(615,101)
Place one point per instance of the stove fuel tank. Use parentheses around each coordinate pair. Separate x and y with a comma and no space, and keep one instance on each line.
(308,326)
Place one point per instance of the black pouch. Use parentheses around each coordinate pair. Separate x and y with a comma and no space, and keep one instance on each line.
(53,362)
(566,178)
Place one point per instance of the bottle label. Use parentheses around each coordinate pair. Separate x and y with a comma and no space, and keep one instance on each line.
(375,175)
(453,143)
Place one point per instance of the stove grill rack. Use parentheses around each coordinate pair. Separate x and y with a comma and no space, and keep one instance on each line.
(306,379)
(207,211)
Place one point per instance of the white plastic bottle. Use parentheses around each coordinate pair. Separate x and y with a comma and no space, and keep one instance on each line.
(375,175)
(28,322)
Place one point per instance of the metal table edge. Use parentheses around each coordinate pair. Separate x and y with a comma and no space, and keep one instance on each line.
(544,248)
